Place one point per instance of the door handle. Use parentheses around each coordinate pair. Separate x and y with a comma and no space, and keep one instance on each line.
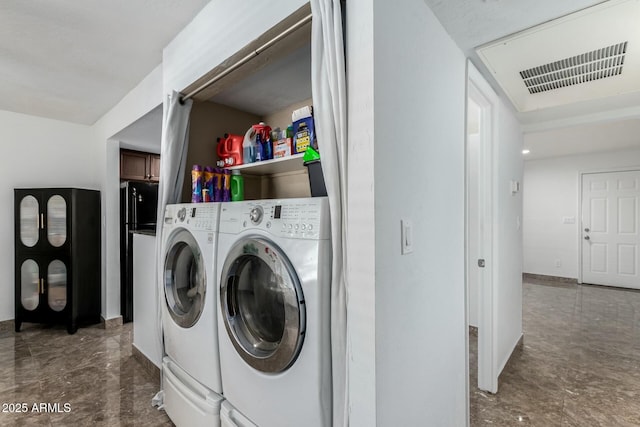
(42,221)
(586,230)
(587,238)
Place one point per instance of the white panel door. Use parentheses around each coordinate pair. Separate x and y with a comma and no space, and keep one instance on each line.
(610,229)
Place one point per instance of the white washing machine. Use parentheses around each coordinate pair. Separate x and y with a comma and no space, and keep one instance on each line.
(191,370)
(274,261)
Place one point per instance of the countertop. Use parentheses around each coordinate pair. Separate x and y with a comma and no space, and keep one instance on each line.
(144,232)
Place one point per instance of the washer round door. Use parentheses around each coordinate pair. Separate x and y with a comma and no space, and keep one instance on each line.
(184,278)
(262,305)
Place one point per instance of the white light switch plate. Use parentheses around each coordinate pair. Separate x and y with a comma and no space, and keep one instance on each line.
(406,234)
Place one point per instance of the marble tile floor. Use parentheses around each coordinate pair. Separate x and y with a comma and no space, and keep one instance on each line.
(93,371)
(579,364)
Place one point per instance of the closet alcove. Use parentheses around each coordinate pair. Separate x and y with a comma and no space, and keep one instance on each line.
(268,87)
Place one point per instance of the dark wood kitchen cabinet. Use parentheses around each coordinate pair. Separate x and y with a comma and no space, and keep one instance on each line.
(57,256)
(139,166)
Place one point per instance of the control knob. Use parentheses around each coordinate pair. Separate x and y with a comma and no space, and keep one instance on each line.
(256,215)
(182,214)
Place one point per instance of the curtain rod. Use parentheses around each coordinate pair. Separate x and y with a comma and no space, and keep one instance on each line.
(247,58)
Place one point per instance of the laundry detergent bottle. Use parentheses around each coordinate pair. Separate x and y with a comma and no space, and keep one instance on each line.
(237,186)
(196,184)
(249,147)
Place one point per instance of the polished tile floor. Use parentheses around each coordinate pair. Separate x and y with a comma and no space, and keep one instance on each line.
(93,372)
(579,365)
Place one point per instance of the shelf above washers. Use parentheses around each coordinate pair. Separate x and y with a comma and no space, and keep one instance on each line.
(271,167)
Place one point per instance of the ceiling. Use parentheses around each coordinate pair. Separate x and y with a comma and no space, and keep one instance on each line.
(569,128)
(74,60)
(565,61)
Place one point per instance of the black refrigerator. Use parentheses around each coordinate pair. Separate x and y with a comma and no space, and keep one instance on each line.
(138,209)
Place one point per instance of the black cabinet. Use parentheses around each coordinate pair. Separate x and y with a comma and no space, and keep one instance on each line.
(57,256)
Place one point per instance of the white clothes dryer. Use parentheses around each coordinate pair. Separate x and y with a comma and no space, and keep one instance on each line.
(189,312)
(274,259)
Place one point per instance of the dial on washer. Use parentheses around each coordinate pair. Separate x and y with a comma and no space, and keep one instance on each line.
(256,215)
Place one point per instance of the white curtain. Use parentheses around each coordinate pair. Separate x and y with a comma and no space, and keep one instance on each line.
(328,86)
(173,159)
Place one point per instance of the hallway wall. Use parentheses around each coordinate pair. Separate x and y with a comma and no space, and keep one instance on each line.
(419,128)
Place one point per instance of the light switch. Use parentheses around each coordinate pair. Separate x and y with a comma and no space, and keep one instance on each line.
(406,234)
(515,187)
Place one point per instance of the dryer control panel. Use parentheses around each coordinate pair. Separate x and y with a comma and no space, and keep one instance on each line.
(291,218)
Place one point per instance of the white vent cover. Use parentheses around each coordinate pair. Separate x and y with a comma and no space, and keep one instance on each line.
(590,54)
(590,66)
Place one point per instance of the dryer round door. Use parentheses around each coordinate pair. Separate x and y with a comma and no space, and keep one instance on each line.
(262,305)
(184,278)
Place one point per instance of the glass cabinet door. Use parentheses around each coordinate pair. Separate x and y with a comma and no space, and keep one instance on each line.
(57,285)
(30,284)
(29,221)
(57,221)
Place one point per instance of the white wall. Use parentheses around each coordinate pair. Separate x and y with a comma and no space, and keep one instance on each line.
(38,152)
(419,128)
(508,166)
(551,193)
(145,97)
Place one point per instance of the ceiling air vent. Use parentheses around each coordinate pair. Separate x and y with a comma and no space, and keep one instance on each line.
(594,65)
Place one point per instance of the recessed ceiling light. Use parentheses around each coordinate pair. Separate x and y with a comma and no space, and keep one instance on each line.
(525,151)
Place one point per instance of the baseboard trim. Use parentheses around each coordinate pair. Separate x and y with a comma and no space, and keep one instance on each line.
(114,322)
(7,325)
(549,278)
(147,364)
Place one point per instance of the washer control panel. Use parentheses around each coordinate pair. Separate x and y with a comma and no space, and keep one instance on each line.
(292,218)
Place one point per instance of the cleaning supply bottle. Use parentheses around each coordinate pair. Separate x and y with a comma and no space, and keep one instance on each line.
(217,185)
(259,148)
(196,184)
(226,185)
(237,186)
(207,186)
(249,147)
(267,149)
